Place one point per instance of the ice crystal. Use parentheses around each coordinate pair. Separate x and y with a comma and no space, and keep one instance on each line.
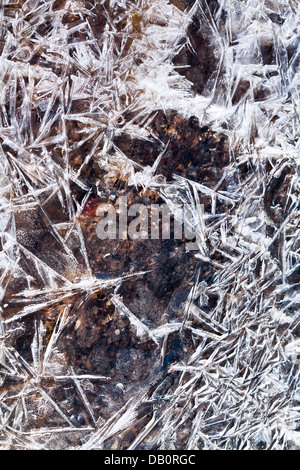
(211,361)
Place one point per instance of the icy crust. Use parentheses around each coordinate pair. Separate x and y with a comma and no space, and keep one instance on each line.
(219,368)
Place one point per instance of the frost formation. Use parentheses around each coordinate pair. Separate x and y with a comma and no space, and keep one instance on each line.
(77,78)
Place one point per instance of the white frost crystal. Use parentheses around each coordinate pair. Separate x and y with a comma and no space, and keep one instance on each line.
(238,387)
